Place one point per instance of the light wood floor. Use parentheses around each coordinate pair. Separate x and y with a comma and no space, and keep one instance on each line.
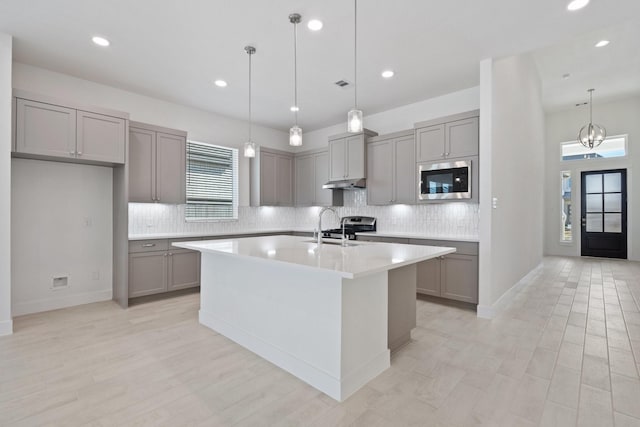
(565,352)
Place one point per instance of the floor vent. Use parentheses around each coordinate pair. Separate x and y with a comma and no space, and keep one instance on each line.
(60,282)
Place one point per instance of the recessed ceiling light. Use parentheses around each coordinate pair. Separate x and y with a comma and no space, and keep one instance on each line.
(602,43)
(294,108)
(387,74)
(566,76)
(220,83)
(100,41)
(314,25)
(577,4)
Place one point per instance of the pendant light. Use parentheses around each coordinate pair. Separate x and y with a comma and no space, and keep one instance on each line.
(591,135)
(295,133)
(250,146)
(354,117)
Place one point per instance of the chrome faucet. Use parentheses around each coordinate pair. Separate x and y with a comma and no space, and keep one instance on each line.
(323,210)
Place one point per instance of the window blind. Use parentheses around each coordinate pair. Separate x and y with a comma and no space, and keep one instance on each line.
(212,182)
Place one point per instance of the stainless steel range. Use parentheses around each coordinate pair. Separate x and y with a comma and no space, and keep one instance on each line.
(351,225)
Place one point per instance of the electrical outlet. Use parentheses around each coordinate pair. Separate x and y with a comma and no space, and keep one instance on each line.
(95,275)
(87,221)
(59,282)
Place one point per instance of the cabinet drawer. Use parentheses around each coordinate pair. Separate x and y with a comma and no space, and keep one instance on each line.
(366,238)
(148,245)
(466,248)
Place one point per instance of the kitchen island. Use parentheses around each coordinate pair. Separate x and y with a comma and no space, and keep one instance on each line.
(328,314)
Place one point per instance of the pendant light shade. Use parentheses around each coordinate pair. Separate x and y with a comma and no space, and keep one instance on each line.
(591,135)
(355,122)
(250,146)
(295,133)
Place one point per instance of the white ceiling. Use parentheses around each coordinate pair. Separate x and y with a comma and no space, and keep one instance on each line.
(174,50)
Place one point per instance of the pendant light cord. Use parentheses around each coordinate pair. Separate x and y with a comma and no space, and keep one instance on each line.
(249,96)
(591,106)
(355,54)
(295,70)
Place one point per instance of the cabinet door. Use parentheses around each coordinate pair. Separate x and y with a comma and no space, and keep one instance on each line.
(405,175)
(323,197)
(462,138)
(100,138)
(305,180)
(284,180)
(430,143)
(380,173)
(147,273)
(460,277)
(45,129)
(184,269)
(428,282)
(356,162)
(171,175)
(268,179)
(142,165)
(337,160)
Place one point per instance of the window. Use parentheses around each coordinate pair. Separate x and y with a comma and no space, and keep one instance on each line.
(212,182)
(613,146)
(565,200)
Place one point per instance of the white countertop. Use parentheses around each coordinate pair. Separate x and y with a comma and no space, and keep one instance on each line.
(412,235)
(398,234)
(360,259)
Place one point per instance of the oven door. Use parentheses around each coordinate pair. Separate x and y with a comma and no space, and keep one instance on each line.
(442,181)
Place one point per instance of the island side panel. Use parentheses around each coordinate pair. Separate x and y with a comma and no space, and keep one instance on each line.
(402,305)
(365,353)
(287,314)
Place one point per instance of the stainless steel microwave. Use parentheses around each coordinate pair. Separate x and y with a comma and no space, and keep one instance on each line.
(442,181)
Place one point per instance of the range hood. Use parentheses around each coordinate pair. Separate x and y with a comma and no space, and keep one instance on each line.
(346,184)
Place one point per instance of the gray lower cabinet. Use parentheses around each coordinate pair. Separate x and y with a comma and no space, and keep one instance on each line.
(391,169)
(59,132)
(157,164)
(453,276)
(156,267)
(271,175)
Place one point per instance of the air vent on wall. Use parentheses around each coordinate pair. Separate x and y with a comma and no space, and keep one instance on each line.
(342,83)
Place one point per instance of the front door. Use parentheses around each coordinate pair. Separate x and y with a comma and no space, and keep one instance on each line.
(604,213)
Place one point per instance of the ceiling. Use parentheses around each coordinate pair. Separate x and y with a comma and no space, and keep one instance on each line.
(174,50)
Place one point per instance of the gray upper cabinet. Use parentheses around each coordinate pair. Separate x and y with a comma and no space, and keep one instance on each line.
(100,138)
(271,174)
(311,173)
(391,169)
(60,132)
(347,155)
(157,164)
(448,137)
(45,129)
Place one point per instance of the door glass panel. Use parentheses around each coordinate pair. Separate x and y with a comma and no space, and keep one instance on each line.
(594,223)
(612,223)
(594,202)
(612,202)
(612,183)
(594,183)
(566,207)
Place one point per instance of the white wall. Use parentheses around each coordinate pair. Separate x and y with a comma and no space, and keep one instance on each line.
(618,117)
(516,139)
(400,118)
(6,325)
(62,226)
(201,125)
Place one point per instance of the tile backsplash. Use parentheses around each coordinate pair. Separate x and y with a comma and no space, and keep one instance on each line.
(442,219)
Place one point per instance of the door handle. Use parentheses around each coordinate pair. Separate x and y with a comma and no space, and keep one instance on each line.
(584,221)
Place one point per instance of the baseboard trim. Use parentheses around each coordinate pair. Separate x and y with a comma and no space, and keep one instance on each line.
(337,388)
(6,327)
(38,306)
(491,311)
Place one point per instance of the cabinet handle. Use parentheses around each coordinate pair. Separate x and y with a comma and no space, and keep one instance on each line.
(79,153)
(72,153)
(165,255)
(170,254)
(446,154)
(148,245)
(442,155)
